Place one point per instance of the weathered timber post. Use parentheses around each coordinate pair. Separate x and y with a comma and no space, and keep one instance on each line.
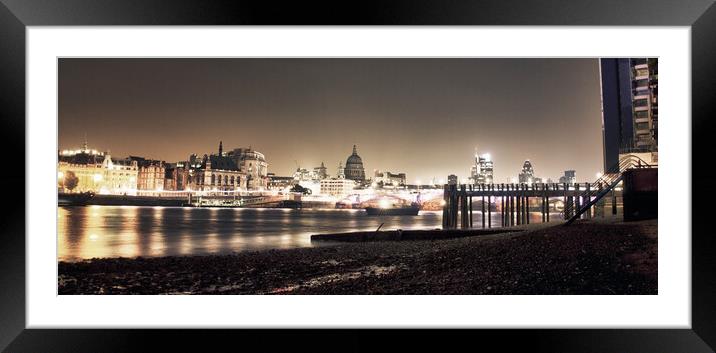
(504,205)
(470,200)
(464,217)
(525,202)
(456,206)
(446,205)
(588,200)
(547,199)
(577,199)
(544,200)
(518,203)
(508,219)
(491,189)
(601,205)
(566,202)
(482,188)
(525,190)
(512,204)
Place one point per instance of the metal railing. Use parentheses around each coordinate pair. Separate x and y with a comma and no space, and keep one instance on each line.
(605,183)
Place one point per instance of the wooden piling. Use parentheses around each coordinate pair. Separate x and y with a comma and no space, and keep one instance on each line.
(482,187)
(577,199)
(547,199)
(566,203)
(446,205)
(518,203)
(491,188)
(470,200)
(541,203)
(512,204)
(464,216)
(588,214)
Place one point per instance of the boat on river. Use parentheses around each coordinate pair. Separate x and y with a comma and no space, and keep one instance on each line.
(394,210)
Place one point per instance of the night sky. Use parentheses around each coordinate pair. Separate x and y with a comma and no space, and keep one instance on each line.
(424,117)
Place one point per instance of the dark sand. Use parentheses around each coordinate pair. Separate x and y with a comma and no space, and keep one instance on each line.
(588,257)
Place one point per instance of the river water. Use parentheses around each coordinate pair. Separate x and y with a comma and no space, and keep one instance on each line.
(131,231)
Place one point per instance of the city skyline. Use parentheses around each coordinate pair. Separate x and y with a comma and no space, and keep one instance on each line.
(308,111)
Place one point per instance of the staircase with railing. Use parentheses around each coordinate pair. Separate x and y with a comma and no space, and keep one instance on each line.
(605,183)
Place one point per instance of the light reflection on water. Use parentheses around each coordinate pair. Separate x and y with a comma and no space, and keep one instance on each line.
(131,231)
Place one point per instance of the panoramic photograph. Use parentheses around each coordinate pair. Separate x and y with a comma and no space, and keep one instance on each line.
(407,176)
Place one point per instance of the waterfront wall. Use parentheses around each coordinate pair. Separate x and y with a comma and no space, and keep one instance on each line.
(125,200)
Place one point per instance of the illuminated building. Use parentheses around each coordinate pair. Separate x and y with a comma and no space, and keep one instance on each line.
(341,172)
(354,167)
(176,176)
(280,182)
(253,164)
(96,172)
(303,174)
(528,173)
(629,90)
(150,174)
(216,172)
(337,187)
(321,172)
(388,178)
(481,171)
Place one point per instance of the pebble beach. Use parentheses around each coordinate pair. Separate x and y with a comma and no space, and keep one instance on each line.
(589,257)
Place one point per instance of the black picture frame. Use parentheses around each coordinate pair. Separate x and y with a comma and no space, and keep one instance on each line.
(16,15)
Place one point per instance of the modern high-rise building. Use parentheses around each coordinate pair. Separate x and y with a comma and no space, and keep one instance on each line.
(481,171)
(528,173)
(629,90)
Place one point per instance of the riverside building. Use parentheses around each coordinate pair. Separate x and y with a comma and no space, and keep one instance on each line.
(86,170)
(253,164)
(337,187)
(150,174)
(216,172)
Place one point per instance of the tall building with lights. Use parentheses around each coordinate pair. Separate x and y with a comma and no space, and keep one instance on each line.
(528,173)
(629,92)
(481,171)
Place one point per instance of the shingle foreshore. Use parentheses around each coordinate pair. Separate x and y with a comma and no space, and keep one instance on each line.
(588,257)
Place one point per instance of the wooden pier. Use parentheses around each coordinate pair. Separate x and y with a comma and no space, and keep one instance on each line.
(513,202)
